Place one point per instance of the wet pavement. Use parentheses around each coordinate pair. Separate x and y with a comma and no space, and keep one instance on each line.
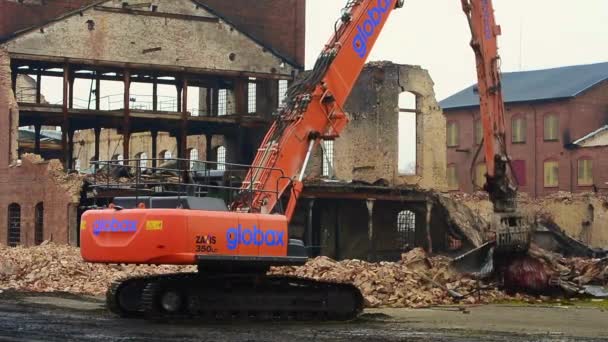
(29,317)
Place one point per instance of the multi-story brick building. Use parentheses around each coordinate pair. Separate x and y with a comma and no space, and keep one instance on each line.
(556,131)
(236,56)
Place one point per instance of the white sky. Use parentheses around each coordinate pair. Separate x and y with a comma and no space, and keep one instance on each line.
(434,34)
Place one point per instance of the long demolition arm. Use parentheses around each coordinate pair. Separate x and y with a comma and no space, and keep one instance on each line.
(485,31)
(313,110)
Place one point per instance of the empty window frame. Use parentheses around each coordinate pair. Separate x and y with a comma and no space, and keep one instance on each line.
(39,224)
(14,225)
(585,172)
(252,100)
(452,134)
(551,173)
(518,130)
(221,158)
(551,127)
(452,176)
(328,157)
(283,85)
(480,175)
(478,132)
(193,156)
(142,159)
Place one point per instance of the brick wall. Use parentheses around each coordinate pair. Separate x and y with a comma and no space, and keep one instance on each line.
(577,117)
(277,23)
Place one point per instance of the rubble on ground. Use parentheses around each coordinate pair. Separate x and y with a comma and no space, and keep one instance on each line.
(415,281)
(59,268)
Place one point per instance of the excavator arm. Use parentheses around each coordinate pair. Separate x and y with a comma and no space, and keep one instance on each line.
(512,230)
(313,110)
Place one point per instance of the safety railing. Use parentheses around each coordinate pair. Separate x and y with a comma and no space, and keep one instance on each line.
(175,177)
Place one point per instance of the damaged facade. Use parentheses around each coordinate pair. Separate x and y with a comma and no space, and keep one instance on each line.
(356,203)
(208,47)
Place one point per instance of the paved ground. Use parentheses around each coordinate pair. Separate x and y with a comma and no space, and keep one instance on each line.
(29,317)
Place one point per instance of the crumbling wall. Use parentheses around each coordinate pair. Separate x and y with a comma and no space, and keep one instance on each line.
(583,217)
(9,113)
(33,181)
(368,149)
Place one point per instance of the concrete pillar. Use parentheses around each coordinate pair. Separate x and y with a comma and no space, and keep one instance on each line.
(71,149)
(37,129)
(208,147)
(429,240)
(65,125)
(154,137)
(309,227)
(179,88)
(97,91)
(38,85)
(97,132)
(215,100)
(126,117)
(371,256)
(183,146)
(240,95)
(71,79)
(155,94)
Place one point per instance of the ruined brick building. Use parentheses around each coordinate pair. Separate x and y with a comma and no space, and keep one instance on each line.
(556,122)
(357,203)
(214,48)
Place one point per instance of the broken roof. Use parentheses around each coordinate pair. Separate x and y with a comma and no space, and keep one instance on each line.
(598,137)
(537,85)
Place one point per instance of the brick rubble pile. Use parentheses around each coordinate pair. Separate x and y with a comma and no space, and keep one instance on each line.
(59,268)
(415,281)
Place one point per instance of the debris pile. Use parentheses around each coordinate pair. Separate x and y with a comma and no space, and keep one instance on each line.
(415,281)
(58,268)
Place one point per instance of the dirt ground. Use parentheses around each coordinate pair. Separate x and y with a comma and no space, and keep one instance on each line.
(59,317)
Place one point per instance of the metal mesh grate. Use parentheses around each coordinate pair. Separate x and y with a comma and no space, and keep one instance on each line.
(406,229)
(252,101)
(328,157)
(14,225)
(283,85)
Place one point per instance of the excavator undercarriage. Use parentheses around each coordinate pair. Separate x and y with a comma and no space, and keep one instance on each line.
(224,297)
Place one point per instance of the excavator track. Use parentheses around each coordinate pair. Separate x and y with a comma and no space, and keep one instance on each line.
(228,297)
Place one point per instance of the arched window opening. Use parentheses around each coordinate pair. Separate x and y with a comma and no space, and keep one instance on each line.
(407,133)
(193,155)
(165,155)
(14,225)
(406,229)
(118,158)
(480,175)
(328,158)
(142,159)
(452,176)
(221,158)
(39,224)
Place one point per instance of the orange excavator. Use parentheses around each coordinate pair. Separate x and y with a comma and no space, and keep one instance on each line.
(235,245)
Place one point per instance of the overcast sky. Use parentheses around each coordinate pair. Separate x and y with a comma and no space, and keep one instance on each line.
(434,34)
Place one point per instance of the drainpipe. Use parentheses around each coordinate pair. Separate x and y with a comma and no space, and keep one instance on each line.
(535,151)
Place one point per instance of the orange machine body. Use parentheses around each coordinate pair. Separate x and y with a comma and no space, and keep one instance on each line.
(178,236)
